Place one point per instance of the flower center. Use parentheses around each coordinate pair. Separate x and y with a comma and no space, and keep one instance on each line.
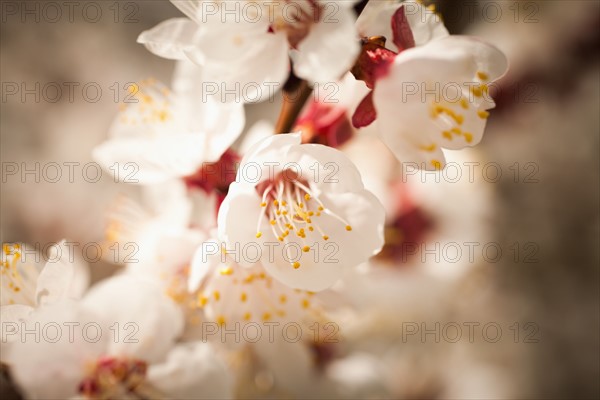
(112,377)
(18,279)
(291,207)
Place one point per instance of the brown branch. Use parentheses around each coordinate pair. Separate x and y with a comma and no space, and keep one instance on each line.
(293,102)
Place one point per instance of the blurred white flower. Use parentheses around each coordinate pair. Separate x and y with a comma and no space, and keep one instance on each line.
(248,42)
(130,352)
(25,287)
(283,322)
(305,208)
(160,135)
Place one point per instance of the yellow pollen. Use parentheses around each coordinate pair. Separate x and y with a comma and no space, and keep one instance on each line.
(306,249)
(447,135)
(311,213)
(258,234)
(247,316)
(321,208)
(266,316)
(436,164)
(284,203)
(464,103)
(273,222)
(310,228)
(221,320)
(226,271)
(217,295)
(483,114)
(263,204)
(305,303)
(300,205)
(483,76)
(325,237)
(468,137)
(296,265)
(431,147)
(282,298)
(202,301)
(280,238)
(276,203)
(348,228)
(243,297)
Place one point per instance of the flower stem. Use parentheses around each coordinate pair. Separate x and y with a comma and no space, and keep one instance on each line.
(296,92)
(293,102)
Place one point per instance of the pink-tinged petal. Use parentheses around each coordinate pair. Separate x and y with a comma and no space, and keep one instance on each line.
(365,113)
(402,35)
(373,62)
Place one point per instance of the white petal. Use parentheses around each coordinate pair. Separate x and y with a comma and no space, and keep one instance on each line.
(170,39)
(63,276)
(325,263)
(426,25)
(259,131)
(148,321)
(242,59)
(329,50)
(326,169)
(238,219)
(206,259)
(52,365)
(413,131)
(11,317)
(192,371)
(191,8)
(220,122)
(150,161)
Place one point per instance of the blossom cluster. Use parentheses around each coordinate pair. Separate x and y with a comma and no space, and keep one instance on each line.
(241,227)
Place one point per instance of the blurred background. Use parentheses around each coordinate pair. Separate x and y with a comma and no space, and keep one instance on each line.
(544,136)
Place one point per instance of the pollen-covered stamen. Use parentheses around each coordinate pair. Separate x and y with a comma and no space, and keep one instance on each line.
(111,377)
(293,209)
(18,279)
(150,104)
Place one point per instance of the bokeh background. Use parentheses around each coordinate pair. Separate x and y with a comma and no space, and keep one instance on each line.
(547,123)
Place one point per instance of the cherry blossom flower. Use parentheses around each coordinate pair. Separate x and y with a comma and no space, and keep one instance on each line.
(430,90)
(305,208)
(25,287)
(128,353)
(248,42)
(160,134)
(282,322)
